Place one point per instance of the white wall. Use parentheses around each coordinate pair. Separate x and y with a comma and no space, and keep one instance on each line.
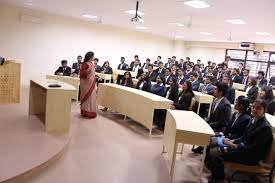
(40,47)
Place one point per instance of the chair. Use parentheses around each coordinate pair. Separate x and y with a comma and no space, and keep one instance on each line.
(266,169)
(192,104)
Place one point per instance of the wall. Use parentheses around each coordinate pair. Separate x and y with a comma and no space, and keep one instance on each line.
(41,46)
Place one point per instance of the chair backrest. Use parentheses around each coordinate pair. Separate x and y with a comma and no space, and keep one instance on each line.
(270,158)
(192,104)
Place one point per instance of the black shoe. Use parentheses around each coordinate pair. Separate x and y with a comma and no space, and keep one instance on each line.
(198,150)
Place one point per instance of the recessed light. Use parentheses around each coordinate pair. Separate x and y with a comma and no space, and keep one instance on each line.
(197,4)
(179,37)
(28,3)
(177,24)
(89,16)
(236,21)
(263,33)
(141,27)
(133,12)
(206,33)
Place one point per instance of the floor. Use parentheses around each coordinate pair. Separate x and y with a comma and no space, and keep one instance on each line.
(110,150)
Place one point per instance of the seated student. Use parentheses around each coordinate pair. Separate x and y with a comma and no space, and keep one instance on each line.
(181,65)
(267,95)
(235,76)
(188,71)
(197,70)
(194,80)
(208,87)
(249,149)
(173,91)
(106,69)
(76,65)
(180,77)
(121,66)
(2,60)
(152,75)
(133,62)
(245,77)
(185,97)
(252,90)
(168,64)
(158,88)
(167,75)
(261,80)
(218,74)
(161,69)
(64,70)
(272,81)
(97,67)
(174,70)
(144,83)
(146,64)
(156,63)
(221,109)
(230,94)
(127,80)
(137,68)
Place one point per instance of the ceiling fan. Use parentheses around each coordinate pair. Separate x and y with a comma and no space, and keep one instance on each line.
(137,19)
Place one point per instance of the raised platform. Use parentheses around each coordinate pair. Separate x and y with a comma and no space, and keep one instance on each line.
(24,145)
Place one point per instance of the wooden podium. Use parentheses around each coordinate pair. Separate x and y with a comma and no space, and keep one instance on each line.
(10,82)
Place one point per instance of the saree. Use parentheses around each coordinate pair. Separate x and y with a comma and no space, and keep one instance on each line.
(88,90)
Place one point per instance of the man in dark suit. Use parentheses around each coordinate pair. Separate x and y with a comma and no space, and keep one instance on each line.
(272,81)
(230,94)
(121,66)
(208,87)
(261,80)
(97,67)
(181,65)
(151,74)
(218,74)
(156,63)
(64,70)
(241,69)
(160,70)
(167,75)
(168,64)
(133,62)
(137,68)
(194,80)
(235,76)
(76,65)
(245,77)
(174,61)
(180,77)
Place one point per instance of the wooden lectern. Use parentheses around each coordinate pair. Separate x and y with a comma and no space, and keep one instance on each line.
(10,82)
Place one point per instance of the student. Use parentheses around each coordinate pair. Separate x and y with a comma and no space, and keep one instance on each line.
(174,61)
(167,75)
(144,83)
(160,70)
(185,97)
(249,149)
(267,95)
(235,76)
(180,78)
(272,81)
(158,88)
(252,90)
(188,71)
(245,76)
(168,64)
(181,65)
(127,80)
(220,110)
(64,70)
(106,69)
(2,60)
(146,64)
(152,75)
(133,62)
(174,72)
(261,80)
(121,66)
(208,87)
(241,69)
(219,74)
(173,91)
(156,63)
(97,67)
(194,81)
(230,94)
(137,68)
(76,65)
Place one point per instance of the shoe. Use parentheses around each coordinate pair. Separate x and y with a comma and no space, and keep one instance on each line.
(198,150)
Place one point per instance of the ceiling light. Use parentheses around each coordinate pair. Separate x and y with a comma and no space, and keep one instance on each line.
(141,27)
(263,33)
(236,21)
(179,37)
(133,12)
(206,33)
(89,16)
(28,3)
(177,24)
(197,4)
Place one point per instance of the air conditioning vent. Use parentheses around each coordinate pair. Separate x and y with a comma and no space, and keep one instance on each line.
(247,46)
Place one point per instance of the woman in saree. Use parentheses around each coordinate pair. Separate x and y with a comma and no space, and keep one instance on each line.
(88,87)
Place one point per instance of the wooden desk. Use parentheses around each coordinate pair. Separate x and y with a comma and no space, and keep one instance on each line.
(104,77)
(184,127)
(238,86)
(52,104)
(121,72)
(138,105)
(73,81)
(202,98)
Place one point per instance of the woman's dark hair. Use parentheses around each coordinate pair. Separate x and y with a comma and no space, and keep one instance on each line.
(244,102)
(189,87)
(253,81)
(175,82)
(161,77)
(222,87)
(64,62)
(269,96)
(105,63)
(89,55)
(262,103)
(129,73)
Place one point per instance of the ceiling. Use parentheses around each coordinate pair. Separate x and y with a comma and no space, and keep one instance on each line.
(258,14)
